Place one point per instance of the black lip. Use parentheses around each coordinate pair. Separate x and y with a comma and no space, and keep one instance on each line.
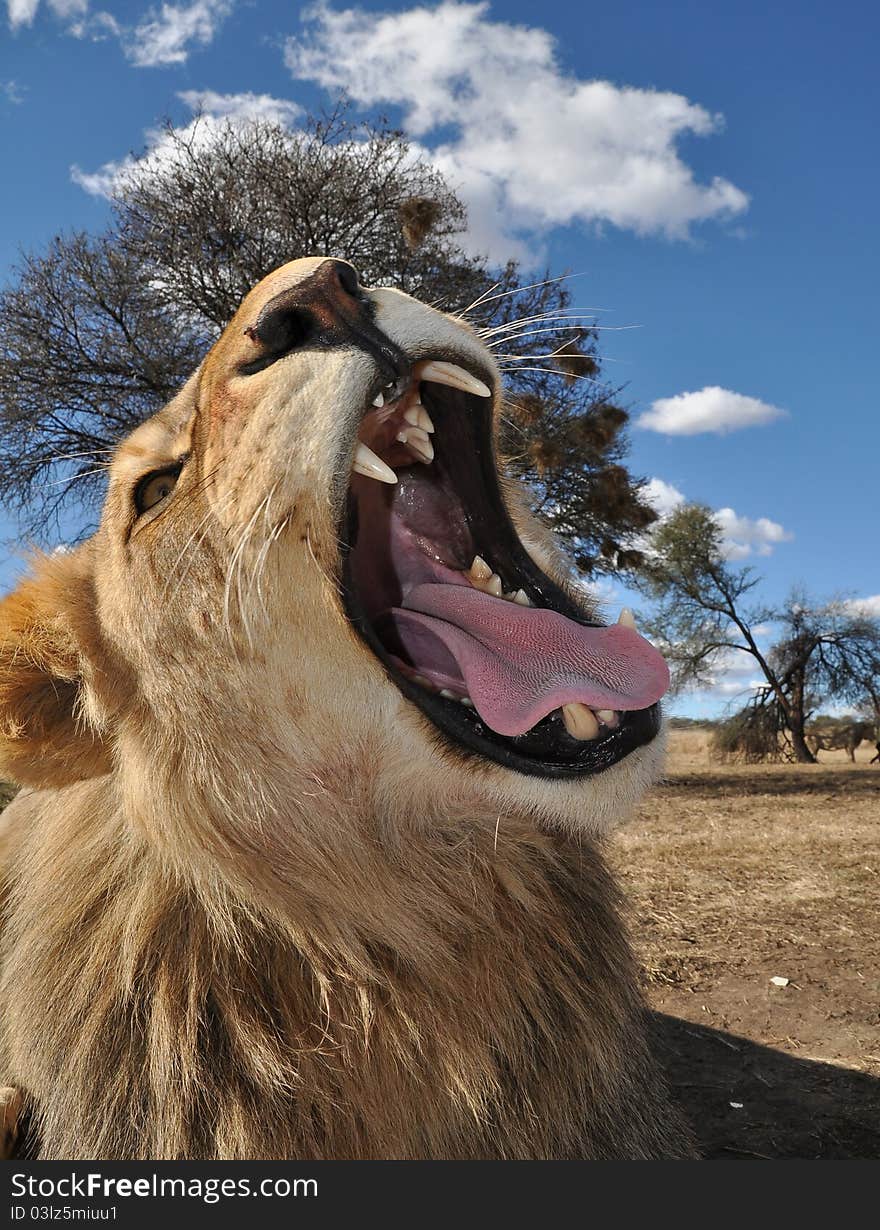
(464,435)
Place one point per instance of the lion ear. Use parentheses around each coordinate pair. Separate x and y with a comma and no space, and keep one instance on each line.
(47,734)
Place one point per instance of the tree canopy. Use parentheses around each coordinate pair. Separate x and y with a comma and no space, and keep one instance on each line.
(98,331)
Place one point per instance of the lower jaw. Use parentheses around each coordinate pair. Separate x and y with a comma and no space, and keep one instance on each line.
(546,751)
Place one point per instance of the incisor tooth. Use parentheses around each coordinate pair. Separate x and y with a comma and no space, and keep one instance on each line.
(494,586)
(608,716)
(456,377)
(580,722)
(418,442)
(480,570)
(367,463)
(419,417)
(522,598)
(627,618)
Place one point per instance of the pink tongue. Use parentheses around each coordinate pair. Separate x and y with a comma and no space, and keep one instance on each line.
(520,663)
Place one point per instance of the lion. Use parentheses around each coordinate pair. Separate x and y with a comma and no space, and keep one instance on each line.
(318,747)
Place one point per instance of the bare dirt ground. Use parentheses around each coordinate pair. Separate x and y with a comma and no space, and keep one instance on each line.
(738,874)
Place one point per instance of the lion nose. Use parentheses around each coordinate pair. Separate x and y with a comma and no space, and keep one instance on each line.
(347,277)
(329,308)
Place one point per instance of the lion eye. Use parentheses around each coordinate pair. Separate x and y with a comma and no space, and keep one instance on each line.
(154,488)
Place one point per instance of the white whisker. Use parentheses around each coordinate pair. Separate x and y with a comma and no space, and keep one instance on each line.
(94,452)
(539,318)
(549,371)
(233,573)
(480,299)
(331,581)
(259,564)
(71,478)
(506,341)
(179,559)
(517,290)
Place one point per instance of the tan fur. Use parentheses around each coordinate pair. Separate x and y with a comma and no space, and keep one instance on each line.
(256,906)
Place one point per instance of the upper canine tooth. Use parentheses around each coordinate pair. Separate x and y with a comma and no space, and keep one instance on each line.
(627,619)
(367,463)
(379,400)
(418,442)
(419,417)
(480,570)
(580,722)
(453,375)
(522,598)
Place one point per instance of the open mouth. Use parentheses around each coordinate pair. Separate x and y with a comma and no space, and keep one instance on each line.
(439,585)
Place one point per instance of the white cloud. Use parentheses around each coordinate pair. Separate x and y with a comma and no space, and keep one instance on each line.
(742,535)
(527,145)
(733,676)
(12,92)
(865,606)
(218,111)
(246,106)
(23,12)
(165,36)
(709,409)
(662,496)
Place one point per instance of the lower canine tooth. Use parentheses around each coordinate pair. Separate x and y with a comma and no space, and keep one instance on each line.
(580,722)
(418,442)
(367,463)
(379,400)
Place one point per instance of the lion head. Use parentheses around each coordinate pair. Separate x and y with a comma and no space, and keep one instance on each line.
(311,590)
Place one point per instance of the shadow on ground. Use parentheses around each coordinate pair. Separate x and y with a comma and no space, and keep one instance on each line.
(791,1108)
(812,779)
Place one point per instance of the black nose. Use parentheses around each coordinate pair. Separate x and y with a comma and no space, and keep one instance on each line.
(328,308)
(348,277)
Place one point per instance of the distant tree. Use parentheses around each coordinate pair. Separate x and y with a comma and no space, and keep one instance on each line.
(97,332)
(704,612)
(827,650)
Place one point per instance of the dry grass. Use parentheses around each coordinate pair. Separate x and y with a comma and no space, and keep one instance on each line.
(738,873)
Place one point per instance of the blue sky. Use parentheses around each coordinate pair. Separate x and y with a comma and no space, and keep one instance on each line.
(709,169)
